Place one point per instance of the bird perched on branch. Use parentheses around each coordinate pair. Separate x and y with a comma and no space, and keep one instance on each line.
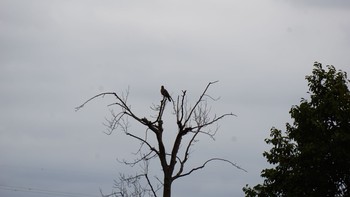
(165,93)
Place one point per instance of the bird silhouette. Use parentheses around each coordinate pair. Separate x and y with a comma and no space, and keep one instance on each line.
(165,93)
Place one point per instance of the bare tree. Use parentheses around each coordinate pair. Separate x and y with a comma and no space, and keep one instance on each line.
(191,122)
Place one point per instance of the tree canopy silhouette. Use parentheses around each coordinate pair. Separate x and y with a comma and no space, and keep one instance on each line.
(313,157)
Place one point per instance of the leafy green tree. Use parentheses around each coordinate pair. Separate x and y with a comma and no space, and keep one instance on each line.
(313,157)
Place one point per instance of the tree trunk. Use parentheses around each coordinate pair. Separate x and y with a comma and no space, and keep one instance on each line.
(167,185)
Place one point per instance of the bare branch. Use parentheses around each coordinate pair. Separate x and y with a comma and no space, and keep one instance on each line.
(187,152)
(148,180)
(198,131)
(99,95)
(108,195)
(134,183)
(198,101)
(214,99)
(160,108)
(205,163)
(143,141)
(143,157)
(215,119)
(150,185)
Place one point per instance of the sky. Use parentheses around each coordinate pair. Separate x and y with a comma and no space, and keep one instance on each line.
(56,54)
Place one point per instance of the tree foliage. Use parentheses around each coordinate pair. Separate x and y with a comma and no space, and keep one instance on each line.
(313,157)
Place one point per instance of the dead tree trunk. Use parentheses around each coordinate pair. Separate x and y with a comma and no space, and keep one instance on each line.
(167,183)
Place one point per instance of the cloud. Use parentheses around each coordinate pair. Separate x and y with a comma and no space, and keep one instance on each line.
(56,54)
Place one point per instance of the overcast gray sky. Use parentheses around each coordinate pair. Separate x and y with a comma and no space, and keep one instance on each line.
(56,54)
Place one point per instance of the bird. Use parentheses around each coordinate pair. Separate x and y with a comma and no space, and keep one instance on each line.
(165,93)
